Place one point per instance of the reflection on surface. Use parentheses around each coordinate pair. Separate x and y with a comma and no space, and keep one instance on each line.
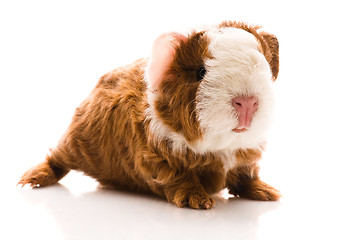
(107,214)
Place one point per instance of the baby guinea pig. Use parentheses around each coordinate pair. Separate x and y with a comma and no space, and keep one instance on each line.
(183,124)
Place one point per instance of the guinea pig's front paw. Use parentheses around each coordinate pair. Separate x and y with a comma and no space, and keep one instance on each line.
(264,192)
(257,190)
(195,198)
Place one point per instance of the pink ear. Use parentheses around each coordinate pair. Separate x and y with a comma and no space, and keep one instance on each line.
(162,55)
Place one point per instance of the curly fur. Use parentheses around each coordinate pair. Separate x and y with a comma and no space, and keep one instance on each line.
(129,136)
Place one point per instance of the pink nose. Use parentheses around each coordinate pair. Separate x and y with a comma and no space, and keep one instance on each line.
(245,108)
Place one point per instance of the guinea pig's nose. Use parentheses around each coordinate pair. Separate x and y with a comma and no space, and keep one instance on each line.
(245,107)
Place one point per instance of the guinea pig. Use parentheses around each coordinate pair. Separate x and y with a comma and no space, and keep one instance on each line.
(185,123)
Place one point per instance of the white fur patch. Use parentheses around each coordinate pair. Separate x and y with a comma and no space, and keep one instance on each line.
(237,68)
(228,158)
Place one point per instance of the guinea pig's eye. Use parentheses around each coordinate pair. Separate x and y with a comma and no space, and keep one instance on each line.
(200,73)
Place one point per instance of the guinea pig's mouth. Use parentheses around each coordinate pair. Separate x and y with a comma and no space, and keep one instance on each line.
(239,129)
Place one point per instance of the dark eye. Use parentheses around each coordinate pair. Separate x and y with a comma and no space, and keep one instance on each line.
(200,73)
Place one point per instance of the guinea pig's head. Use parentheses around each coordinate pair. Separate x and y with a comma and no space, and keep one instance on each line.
(213,89)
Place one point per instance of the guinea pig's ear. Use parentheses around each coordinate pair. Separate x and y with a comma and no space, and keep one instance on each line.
(161,58)
(273,46)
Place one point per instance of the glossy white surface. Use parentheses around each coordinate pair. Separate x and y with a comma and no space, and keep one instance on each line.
(51,56)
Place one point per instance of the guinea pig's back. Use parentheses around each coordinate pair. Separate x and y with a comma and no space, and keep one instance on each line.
(107,133)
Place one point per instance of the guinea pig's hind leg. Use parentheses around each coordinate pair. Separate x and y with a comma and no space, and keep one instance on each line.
(43,174)
(190,194)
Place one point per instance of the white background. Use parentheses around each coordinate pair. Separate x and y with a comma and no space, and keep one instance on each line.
(52,54)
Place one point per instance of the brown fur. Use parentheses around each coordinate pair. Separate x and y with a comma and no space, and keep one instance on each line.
(110,137)
(178,89)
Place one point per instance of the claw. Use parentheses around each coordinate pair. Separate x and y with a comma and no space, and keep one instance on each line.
(21,182)
(32,183)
